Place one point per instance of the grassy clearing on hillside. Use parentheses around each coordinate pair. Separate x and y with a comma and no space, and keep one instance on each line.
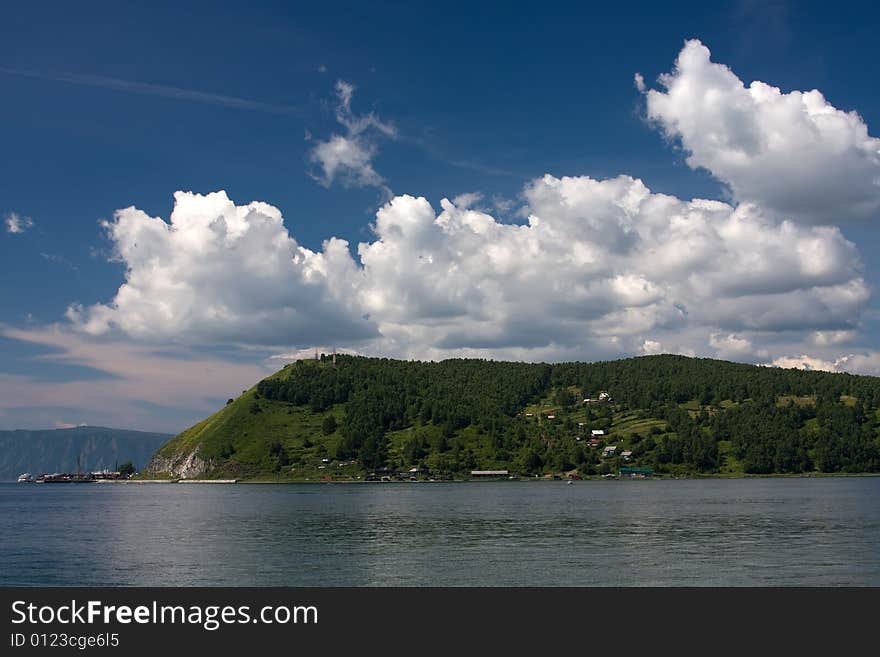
(730,465)
(803,400)
(694,407)
(643,427)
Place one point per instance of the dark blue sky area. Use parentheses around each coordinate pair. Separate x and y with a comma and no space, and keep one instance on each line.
(106,105)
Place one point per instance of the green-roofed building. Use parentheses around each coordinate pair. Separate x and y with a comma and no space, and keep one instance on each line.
(639,473)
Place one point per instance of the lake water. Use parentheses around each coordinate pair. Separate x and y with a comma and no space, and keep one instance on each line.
(638,533)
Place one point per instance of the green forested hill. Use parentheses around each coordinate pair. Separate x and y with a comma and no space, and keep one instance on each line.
(676,415)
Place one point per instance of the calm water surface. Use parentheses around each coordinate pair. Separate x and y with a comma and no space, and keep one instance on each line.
(709,532)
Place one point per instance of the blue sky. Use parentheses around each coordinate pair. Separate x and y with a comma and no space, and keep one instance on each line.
(109,107)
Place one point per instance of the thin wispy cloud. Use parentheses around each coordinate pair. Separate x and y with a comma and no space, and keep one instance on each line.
(158,90)
(349,157)
(481,168)
(58,260)
(434,152)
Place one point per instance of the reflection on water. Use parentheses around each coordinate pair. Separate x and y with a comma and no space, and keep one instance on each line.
(711,532)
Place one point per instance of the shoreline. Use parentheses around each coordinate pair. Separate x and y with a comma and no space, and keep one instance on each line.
(565,479)
(542,479)
(546,479)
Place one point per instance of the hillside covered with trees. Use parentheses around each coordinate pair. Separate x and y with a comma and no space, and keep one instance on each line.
(318,420)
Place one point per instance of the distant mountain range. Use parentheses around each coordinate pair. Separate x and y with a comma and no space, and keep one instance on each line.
(68,450)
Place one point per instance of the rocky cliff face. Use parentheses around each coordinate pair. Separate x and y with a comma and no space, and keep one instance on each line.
(180,466)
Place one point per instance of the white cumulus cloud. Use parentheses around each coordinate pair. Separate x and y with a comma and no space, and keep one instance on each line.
(602,267)
(225,273)
(864,362)
(601,262)
(734,347)
(805,362)
(17,224)
(794,153)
